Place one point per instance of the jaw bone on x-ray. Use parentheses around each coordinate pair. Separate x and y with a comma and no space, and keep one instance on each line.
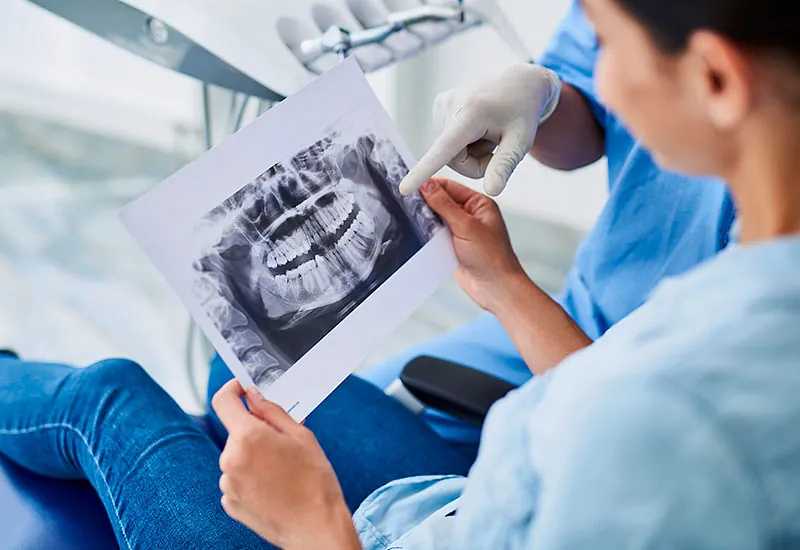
(289,255)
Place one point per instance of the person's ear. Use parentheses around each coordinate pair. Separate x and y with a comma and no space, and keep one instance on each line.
(722,79)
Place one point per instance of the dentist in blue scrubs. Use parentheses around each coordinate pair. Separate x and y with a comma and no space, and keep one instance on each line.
(656,224)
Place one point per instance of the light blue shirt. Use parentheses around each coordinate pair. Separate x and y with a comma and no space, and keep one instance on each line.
(680,428)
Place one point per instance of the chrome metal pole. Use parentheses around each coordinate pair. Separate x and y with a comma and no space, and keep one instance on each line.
(207,116)
(240,117)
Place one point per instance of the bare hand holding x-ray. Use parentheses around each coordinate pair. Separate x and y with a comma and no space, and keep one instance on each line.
(291,244)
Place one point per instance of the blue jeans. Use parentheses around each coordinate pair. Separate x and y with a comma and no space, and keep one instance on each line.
(482,344)
(157,472)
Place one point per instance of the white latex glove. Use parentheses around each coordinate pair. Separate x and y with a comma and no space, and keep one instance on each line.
(488,128)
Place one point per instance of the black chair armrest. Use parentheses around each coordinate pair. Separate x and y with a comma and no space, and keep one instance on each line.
(457,390)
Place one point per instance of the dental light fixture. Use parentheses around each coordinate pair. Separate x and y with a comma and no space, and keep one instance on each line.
(270,48)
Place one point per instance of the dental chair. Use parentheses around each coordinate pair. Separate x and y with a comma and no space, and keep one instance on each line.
(262,49)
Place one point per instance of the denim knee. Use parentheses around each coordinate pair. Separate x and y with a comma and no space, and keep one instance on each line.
(113,376)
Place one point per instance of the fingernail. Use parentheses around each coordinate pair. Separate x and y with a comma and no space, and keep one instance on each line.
(254,394)
(429,186)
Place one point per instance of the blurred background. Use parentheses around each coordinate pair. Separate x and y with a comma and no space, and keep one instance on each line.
(86,126)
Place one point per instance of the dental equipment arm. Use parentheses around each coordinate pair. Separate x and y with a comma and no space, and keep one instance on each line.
(272,49)
(341,41)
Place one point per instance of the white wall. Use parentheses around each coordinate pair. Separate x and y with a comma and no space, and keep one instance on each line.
(50,68)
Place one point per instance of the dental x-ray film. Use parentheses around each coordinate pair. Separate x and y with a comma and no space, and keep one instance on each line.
(290,243)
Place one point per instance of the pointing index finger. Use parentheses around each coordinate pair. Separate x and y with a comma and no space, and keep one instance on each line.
(452,141)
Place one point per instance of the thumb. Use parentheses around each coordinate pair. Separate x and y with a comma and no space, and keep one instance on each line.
(504,161)
(443,204)
(269,412)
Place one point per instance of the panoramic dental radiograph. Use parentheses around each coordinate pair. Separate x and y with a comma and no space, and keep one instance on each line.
(287,257)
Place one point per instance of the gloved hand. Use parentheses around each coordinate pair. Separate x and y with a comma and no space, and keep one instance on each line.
(487,129)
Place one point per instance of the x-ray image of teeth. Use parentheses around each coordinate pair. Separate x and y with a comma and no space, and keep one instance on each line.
(285,258)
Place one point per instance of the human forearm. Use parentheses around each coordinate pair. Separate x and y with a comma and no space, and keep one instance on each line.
(571,138)
(337,533)
(491,274)
(346,536)
(540,328)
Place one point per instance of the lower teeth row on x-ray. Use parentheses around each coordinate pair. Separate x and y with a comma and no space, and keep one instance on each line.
(290,254)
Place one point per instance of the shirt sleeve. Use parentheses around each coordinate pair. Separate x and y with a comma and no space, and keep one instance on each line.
(572,54)
(643,469)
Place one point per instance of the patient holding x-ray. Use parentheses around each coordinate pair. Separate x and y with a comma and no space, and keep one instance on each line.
(675,429)
(289,255)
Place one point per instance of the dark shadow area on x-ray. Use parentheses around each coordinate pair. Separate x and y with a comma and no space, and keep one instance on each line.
(290,254)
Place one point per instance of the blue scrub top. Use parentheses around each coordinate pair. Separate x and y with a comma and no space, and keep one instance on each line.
(655,224)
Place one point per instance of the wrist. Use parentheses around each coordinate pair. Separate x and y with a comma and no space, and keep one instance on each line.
(346,535)
(335,533)
(512,291)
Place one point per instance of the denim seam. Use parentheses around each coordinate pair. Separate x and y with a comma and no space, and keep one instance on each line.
(155,444)
(91,454)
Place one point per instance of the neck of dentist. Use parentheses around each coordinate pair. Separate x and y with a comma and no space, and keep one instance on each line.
(764,173)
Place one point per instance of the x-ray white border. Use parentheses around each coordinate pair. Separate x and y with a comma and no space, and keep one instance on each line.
(163,222)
